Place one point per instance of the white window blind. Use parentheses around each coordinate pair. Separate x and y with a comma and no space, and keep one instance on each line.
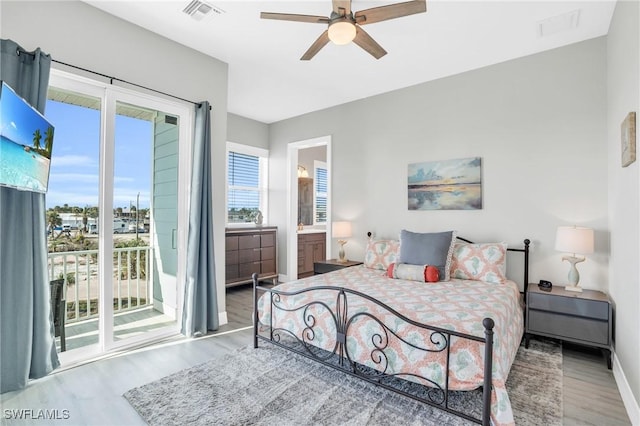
(320,193)
(244,187)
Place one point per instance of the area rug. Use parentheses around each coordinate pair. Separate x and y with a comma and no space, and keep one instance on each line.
(270,386)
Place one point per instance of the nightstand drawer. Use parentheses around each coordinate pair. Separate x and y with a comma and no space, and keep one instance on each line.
(563,326)
(569,305)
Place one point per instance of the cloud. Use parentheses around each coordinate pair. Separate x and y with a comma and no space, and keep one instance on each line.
(73,160)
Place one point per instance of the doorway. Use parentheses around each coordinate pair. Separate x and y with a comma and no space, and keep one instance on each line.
(305,166)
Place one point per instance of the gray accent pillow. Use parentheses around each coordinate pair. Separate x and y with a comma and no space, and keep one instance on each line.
(435,248)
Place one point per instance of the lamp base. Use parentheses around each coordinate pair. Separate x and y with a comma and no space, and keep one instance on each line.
(341,255)
(573,288)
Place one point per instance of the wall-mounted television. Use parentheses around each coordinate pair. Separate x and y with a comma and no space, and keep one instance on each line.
(26,141)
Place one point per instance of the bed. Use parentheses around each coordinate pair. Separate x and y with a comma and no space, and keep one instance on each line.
(420,339)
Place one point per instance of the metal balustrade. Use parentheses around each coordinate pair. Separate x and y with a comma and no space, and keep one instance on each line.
(132,287)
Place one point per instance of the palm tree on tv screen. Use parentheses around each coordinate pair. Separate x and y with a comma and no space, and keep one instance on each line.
(48,141)
(36,139)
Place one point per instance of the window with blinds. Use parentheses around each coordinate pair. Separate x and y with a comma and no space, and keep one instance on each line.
(246,192)
(320,193)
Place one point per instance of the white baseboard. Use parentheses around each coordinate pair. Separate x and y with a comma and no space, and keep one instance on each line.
(282,278)
(630,403)
(222,318)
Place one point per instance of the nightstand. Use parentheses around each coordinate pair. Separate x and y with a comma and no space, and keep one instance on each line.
(330,265)
(584,318)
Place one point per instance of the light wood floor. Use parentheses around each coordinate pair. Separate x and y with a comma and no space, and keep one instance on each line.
(92,393)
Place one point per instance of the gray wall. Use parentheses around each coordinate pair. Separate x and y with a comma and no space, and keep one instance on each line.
(539,124)
(623,73)
(79,34)
(247,131)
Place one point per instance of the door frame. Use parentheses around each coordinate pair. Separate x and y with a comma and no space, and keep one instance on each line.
(109,95)
(292,199)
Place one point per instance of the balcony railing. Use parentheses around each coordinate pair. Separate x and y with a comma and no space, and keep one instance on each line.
(131,283)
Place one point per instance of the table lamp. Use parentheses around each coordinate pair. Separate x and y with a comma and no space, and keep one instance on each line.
(575,240)
(341,230)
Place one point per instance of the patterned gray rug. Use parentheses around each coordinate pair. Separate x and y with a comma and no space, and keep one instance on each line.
(269,386)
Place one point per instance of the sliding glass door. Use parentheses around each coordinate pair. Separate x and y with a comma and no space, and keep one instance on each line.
(72,210)
(145,193)
(130,219)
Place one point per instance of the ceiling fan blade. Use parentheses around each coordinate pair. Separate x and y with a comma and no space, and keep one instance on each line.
(365,41)
(316,46)
(293,17)
(382,13)
(342,4)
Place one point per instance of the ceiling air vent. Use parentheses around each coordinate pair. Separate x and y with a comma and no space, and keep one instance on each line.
(198,9)
(556,24)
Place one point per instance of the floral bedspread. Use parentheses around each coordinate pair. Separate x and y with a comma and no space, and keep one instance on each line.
(458,305)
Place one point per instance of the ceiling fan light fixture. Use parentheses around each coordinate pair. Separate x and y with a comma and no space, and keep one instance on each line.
(342,32)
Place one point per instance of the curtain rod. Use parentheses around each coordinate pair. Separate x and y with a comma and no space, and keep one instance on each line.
(112,79)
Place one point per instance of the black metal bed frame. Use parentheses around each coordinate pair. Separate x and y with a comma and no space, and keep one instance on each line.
(439,341)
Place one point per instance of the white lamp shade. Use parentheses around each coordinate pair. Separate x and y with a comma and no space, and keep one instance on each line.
(342,32)
(341,229)
(574,239)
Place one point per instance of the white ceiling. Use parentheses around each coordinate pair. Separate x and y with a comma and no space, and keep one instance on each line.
(268,82)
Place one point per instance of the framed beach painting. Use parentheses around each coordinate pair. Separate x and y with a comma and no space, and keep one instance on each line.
(445,185)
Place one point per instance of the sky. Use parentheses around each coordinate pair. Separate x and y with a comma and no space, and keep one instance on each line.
(75,159)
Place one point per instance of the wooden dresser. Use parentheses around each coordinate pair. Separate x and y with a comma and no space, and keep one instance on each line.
(249,250)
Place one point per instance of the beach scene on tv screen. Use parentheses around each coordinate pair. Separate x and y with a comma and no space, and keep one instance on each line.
(26,141)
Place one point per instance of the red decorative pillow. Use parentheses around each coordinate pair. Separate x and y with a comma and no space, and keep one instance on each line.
(431,274)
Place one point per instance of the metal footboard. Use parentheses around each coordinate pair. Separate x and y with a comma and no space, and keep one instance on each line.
(379,370)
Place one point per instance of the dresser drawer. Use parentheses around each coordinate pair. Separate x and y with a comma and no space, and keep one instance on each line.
(248,241)
(231,258)
(245,270)
(268,239)
(232,272)
(563,326)
(307,238)
(248,255)
(231,243)
(569,305)
(267,267)
(268,253)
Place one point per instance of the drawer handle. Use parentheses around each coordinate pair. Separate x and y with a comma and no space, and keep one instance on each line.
(256,249)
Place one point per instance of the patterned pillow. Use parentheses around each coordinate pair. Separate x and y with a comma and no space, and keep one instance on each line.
(480,262)
(381,253)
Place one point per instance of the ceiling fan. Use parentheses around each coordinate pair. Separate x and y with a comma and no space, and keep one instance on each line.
(346,26)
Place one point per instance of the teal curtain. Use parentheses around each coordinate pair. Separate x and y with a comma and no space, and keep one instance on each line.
(200,311)
(27,345)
